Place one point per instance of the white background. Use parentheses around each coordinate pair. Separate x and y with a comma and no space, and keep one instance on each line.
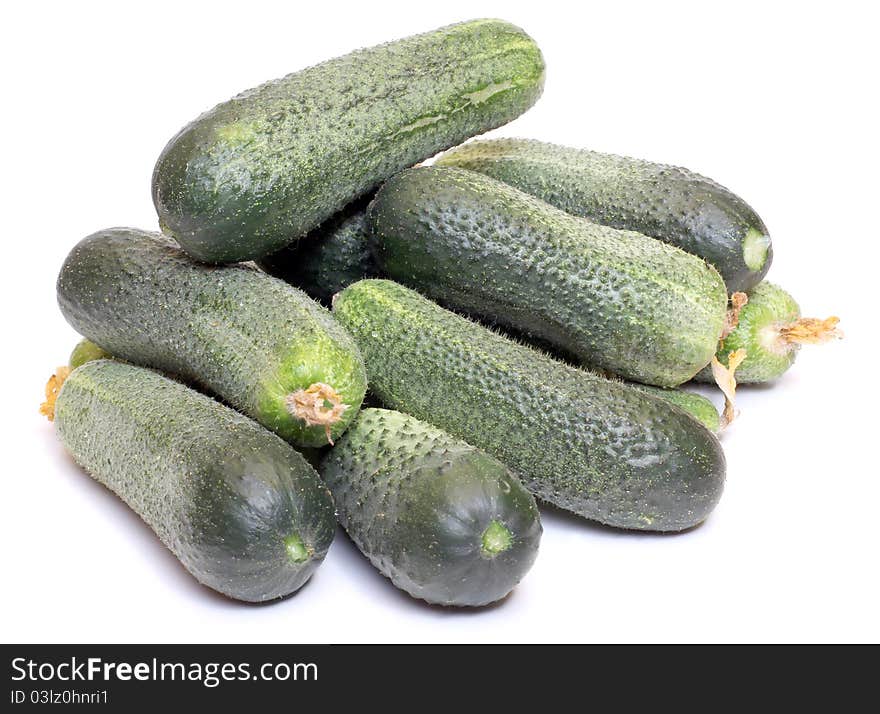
(776,101)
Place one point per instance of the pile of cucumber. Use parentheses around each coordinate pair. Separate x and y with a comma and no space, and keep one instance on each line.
(518,315)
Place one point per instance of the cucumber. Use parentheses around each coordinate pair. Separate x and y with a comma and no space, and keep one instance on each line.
(243,511)
(331,257)
(264,347)
(444,521)
(86,351)
(669,203)
(696,405)
(254,173)
(615,300)
(592,446)
(770,330)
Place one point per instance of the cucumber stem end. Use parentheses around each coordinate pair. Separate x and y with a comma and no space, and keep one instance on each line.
(737,302)
(53,387)
(297,551)
(496,539)
(755,247)
(317,405)
(810,331)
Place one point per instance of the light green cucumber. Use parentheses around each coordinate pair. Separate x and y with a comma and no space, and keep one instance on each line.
(444,521)
(264,347)
(770,330)
(86,351)
(243,511)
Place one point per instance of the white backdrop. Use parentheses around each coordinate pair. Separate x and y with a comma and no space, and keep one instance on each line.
(776,101)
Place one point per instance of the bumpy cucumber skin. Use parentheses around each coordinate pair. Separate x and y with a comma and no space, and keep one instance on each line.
(616,300)
(254,173)
(222,493)
(330,258)
(696,405)
(245,336)
(86,351)
(417,502)
(665,202)
(769,306)
(592,446)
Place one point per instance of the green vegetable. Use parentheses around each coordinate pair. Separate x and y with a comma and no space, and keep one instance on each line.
(770,330)
(86,351)
(446,522)
(254,173)
(263,346)
(243,512)
(593,446)
(695,405)
(616,300)
(665,202)
(331,257)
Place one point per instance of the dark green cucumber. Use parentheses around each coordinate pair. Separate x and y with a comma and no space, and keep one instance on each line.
(615,300)
(331,257)
(86,351)
(243,511)
(254,173)
(446,522)
(669,203)
(593,446)
(770,330)
(261,345)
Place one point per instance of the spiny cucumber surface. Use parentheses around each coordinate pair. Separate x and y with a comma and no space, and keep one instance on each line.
(261,345)
(616,300)
(596,447)
(669,203)
(257,172)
